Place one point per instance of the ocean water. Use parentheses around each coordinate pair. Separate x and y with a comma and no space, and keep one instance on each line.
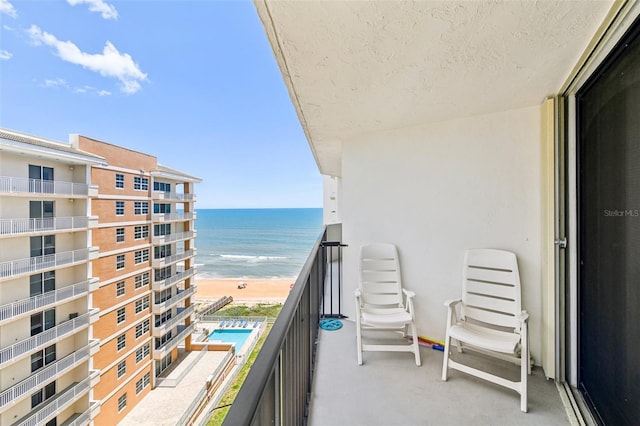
(255,243)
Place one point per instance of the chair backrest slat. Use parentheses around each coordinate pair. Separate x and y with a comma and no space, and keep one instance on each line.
(491,287)
(380,279)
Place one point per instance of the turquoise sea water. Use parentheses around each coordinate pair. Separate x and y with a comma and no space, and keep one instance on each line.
(255,243)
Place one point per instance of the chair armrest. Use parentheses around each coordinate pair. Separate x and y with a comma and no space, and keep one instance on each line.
(358,293)
(409,293)
(523,316)
(452,302)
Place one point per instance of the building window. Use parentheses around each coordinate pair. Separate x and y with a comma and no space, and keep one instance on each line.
(161,186)
(142,353)
(142,304)
(42,245)
(141,207)
(121,315)
(43,357)
(119,235)
(141,256)
(122,368)
(122,402)
(161,252)
(141,232)
(41,179)
(140,183)
(162,273)
(162,296)
(43,321)
(143,383)
(161,208)
(43,394)
(142,328)
(122,342)
(120,289)
(42,283)
(142,280)
(120,262)
(119,208)
(119,180)
(163,317)
(162,229)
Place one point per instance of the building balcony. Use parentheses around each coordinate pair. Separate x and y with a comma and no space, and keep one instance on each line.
(167,347)
(180,236)
(172,217)
(62,400)
(167,282)
(159,308)
(33,265)
(24,307)
(39,341)
(36,187)
(84,419)
(49,225)
(53,371)
(162,329)
(172,196)
(169,260)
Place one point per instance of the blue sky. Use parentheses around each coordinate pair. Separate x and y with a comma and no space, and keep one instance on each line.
(194,83)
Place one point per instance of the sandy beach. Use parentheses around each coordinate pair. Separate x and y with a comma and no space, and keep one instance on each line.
(275,291)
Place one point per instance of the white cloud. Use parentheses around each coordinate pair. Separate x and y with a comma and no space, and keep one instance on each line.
(104,93)
(107,11)
(58,82)
(7,27)
(8,9)
(5,55)
(110,63)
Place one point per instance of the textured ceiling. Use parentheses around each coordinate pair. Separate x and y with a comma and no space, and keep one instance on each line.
(354,67)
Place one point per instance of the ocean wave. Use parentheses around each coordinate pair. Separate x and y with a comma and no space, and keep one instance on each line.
(250,258)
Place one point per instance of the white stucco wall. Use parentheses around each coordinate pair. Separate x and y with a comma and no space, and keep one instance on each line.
(438,189)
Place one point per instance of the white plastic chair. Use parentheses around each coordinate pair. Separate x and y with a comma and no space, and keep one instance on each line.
(490,318)
(381,302)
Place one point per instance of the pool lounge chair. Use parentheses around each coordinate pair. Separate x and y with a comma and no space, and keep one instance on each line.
(255,324)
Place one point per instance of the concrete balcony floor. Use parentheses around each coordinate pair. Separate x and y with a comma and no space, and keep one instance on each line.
(389,389)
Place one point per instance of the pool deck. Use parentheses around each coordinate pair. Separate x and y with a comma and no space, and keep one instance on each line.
(165,405)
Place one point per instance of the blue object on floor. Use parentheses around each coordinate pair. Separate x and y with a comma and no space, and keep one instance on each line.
(330,324)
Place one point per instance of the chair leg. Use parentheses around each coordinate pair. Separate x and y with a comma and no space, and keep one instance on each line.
(359,339)
(525,370)
(416,346)
(445,361)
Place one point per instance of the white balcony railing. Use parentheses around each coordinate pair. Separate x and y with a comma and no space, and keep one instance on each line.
(162,239)
(162,329)
(168,346)
(45,375)
(31,265)
(168,260)
(167,282)
(85,418)
(10,184)
(39,341)
(172,196)
(42,301)
(168,217)
(60,402)
(174,300)
(26,225)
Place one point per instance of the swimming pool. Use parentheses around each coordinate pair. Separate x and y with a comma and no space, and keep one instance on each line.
(230,336)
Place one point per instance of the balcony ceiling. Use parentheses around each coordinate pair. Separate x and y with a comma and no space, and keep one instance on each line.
(355,67)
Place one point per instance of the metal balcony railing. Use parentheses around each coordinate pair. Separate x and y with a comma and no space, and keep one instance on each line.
(162,329)
(26,225)
(10,184)
(44,376)
(278,384)
(32,265)
(39,341)
(163,239)
(159,308)
(42,301)
(168,260)
(172,196)
(167,282)
(84,418)
(168,217)
(59,402)
(163,350)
